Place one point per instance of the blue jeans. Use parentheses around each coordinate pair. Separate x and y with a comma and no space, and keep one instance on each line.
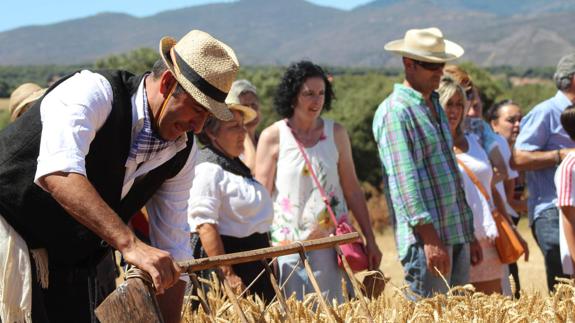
(423,282)
(546,232)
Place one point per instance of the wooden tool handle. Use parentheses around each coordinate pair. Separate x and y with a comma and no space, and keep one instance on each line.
(271,252)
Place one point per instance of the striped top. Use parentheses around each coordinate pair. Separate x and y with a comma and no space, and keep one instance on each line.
(421,180)
(564,181)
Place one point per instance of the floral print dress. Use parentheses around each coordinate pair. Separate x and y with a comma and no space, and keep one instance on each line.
(299,211)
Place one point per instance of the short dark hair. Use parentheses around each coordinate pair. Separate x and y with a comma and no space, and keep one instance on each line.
(493,112)
(568,121)
(158,69)
(291,83)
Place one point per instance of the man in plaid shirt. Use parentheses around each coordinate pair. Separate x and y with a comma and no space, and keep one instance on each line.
(432,222)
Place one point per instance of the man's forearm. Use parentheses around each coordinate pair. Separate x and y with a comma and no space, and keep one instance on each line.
(535,160)
(81,200)
(427,233)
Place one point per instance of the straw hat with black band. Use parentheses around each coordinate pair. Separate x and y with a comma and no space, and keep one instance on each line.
(426,45)
(204,66)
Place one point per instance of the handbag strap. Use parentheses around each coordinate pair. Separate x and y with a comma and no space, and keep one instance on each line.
(312,173)
(474,179)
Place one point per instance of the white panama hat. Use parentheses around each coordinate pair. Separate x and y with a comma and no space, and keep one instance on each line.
(427,45)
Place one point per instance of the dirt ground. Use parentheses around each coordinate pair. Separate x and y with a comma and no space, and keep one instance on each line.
(531,274)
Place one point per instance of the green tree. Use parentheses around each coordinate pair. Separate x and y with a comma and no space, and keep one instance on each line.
(137,61)
(4,89)
(528,95)
(489,87)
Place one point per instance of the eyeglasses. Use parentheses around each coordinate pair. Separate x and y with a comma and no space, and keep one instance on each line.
(430,66)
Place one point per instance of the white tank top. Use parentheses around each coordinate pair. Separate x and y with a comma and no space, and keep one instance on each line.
(475,158)
(298,206)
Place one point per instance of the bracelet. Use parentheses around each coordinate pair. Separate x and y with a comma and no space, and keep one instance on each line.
(558,157)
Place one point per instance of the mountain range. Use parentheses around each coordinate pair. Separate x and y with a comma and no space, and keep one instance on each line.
(277,32)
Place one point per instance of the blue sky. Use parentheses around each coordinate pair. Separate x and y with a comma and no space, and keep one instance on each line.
(18,13)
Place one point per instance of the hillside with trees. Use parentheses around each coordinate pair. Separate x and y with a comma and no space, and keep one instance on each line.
(276,32)
(358,92)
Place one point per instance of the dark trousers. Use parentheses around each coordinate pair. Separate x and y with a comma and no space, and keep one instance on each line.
(546,232)
(73,292)
(514,271)
(248,271)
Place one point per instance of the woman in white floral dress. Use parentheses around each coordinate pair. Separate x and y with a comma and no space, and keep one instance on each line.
(299,211)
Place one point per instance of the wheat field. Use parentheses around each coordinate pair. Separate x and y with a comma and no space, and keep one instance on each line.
(461,304)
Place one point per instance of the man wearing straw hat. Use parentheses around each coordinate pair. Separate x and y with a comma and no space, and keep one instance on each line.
(433,224)
(94,149)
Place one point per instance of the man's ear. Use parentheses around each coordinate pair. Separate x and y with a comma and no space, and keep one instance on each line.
(167,80)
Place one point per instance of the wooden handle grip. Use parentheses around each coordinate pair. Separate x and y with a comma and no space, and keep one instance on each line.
(271,252)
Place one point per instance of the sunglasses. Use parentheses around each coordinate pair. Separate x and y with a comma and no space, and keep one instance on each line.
(430,66)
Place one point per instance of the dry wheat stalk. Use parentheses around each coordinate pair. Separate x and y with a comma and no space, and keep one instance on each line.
(461,304)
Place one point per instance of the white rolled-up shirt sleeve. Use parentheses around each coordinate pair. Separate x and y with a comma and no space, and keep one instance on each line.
(205,195)
(168,212)
(71,115)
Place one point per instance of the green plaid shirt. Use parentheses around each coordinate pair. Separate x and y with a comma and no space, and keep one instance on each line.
(420,176)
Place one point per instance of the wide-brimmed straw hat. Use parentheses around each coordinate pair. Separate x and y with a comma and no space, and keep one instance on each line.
(427,45)
(22,96)
(233,102)
(204,66)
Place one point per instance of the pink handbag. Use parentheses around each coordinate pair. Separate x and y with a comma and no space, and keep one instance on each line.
(354,252)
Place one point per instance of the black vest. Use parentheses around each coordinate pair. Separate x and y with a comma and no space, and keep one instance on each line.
(37,217)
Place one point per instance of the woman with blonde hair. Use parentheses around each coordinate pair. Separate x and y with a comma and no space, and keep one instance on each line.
(475,124)
(477,174)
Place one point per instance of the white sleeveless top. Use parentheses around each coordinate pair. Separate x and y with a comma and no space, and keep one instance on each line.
(477,161)
(298,205)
